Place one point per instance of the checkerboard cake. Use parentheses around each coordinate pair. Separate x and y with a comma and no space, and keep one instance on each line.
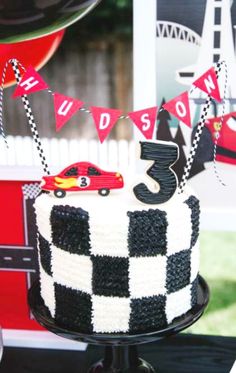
(113,265)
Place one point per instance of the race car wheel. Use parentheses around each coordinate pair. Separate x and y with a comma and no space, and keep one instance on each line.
(59,193)
(104,192)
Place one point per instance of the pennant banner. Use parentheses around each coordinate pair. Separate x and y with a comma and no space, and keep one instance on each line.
(179,107)
(64,107)
(104,119)
(31,82)
(145,120)
(208,83)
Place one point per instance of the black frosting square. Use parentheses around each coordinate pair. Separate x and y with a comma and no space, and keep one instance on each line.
(73,309)
(45,254)
(147,233)
(148,314)
(110,276)
(70,229)
(178,271)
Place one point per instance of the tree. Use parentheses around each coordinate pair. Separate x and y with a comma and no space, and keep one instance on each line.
(163,129)
(180,164)
(108,19)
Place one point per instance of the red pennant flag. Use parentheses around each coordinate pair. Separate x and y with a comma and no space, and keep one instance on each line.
(145,120)
(30,82)
(65,107)
(209,84)
(104,119)
(179,107)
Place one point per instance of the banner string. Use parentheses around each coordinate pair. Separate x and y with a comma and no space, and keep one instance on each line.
(87,111)
(198,133)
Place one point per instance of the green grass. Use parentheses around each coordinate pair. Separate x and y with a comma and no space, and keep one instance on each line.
(218,267)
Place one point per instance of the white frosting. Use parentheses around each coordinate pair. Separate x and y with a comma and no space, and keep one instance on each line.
(72,270)
(119,200)
(108,234)
(179,229)
(110,314)
(178,303)
(47,290)
(43,219)
(111,212)
(155,276)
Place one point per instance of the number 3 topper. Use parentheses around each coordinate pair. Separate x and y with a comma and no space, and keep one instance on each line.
(164,154)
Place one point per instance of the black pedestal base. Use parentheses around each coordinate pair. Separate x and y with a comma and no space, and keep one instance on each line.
(120,359)
(121,355)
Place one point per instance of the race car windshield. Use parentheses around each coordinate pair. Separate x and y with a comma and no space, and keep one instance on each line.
(73,171)
(92,171)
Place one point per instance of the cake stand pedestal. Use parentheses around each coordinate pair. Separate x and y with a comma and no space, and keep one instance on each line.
(121,354)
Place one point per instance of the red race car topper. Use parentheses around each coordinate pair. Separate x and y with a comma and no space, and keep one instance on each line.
(82,176)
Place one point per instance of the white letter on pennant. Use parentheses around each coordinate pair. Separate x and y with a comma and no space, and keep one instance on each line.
(64,108)
(29,83)
(147,123)
(180,109)
(209,84)
(104,121)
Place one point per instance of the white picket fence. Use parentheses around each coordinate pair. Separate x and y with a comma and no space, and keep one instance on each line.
(111,155)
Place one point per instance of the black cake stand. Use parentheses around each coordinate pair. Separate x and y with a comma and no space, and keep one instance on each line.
(121,354)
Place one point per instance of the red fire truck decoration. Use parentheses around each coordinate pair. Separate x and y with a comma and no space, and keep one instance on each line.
(82,176)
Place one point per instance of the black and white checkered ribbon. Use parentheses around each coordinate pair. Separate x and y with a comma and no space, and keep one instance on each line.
(30,118)
(198,133)
(217,135)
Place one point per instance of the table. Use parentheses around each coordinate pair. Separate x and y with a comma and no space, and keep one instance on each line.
(183,353)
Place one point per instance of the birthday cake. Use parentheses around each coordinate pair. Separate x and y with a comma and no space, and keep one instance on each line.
(113,265)
(125,262)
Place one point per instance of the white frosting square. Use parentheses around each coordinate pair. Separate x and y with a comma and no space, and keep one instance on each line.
(195,261)
(72,270)
(109,233)
(147,276)
(110,314)
(43,222)
(47,290)
(178,303)
(179,229)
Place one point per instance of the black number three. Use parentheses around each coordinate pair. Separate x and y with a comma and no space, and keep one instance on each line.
(83,182)
(164,156)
